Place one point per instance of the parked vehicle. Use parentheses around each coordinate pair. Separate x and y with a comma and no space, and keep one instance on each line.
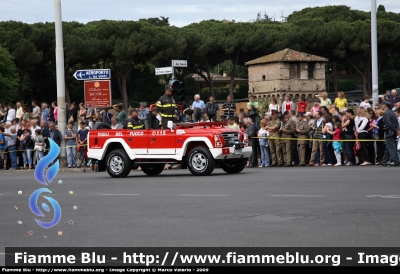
(353,103)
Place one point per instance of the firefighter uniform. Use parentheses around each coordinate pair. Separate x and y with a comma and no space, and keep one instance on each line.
(304,130)
(167,105)
(135,123)
(290,127)
(275,144)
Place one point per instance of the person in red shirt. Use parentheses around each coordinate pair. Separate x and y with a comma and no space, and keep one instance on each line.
(301,106)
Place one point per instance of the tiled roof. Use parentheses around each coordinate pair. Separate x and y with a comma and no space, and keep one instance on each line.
(221,79)
(287,55)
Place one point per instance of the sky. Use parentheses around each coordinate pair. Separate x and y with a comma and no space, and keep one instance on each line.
(180,13)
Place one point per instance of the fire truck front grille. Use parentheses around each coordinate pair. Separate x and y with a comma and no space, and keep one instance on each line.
(230,137)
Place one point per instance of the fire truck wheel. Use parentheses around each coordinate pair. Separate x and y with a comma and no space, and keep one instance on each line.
(153,170)
(118,164)
(200,161)
(234,166)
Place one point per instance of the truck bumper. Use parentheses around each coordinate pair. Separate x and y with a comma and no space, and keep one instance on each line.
(221,153)
(95,154)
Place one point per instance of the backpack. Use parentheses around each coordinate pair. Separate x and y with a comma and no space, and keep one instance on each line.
(366,126)
(211,110)
(197,113)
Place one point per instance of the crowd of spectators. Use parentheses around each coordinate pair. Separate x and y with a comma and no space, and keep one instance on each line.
(329,134)
(326,134)
(24,135)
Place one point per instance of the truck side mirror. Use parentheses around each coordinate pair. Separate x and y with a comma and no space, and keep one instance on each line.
(170,125)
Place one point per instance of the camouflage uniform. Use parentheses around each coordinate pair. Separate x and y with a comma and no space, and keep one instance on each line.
(275,144)
(287,147)
(304,130)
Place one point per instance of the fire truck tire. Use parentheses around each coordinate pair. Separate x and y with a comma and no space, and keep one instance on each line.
(153,170)
(234,166)
(118,164)
(200,161)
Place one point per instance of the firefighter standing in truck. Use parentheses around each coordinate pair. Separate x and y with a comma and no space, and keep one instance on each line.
(167,105)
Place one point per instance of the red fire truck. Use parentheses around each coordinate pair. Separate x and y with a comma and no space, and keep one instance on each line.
(196,146)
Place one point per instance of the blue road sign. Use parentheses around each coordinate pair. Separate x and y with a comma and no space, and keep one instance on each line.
(87,74)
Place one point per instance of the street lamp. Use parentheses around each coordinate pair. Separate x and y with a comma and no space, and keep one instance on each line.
(374,53)
(62,120)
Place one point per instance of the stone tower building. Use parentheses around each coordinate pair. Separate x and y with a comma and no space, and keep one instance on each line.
(287,72)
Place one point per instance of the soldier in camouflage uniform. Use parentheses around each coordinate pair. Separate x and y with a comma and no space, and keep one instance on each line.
(288,130)
(302,130)
(274,144)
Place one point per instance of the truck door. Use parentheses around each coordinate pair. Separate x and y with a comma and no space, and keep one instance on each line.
(161,141)
(137,140)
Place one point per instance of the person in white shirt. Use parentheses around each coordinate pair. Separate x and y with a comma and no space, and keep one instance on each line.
(20,112)
(10,113)
(365,104)
(114,123)
(362,125)
(263,133)
(274,105)
(33,127)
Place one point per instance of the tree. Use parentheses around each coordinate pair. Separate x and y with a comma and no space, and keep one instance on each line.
(266,17)
(263,18)
(145,43)
(388,80)
(258,18)
(8,76)
(81,52)
(132,49)
(145,85)
(20,38)
(201,51)
(329,14)
(129,50)
(343,36)
(236,42)
(158,22)
(123,45)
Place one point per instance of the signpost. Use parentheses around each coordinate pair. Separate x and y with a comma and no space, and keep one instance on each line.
(171,70)
(88,74)
(374,54)
(179,63)
(166,70)
(60,71)
(98,93)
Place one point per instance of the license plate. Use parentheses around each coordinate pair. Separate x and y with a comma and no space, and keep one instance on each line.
(238,151)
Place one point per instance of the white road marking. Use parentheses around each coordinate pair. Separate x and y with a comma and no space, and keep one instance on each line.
(194,195)
(311,196)
(388,196)
(117,194)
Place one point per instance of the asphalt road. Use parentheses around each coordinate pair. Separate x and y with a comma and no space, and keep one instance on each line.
(310,207)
